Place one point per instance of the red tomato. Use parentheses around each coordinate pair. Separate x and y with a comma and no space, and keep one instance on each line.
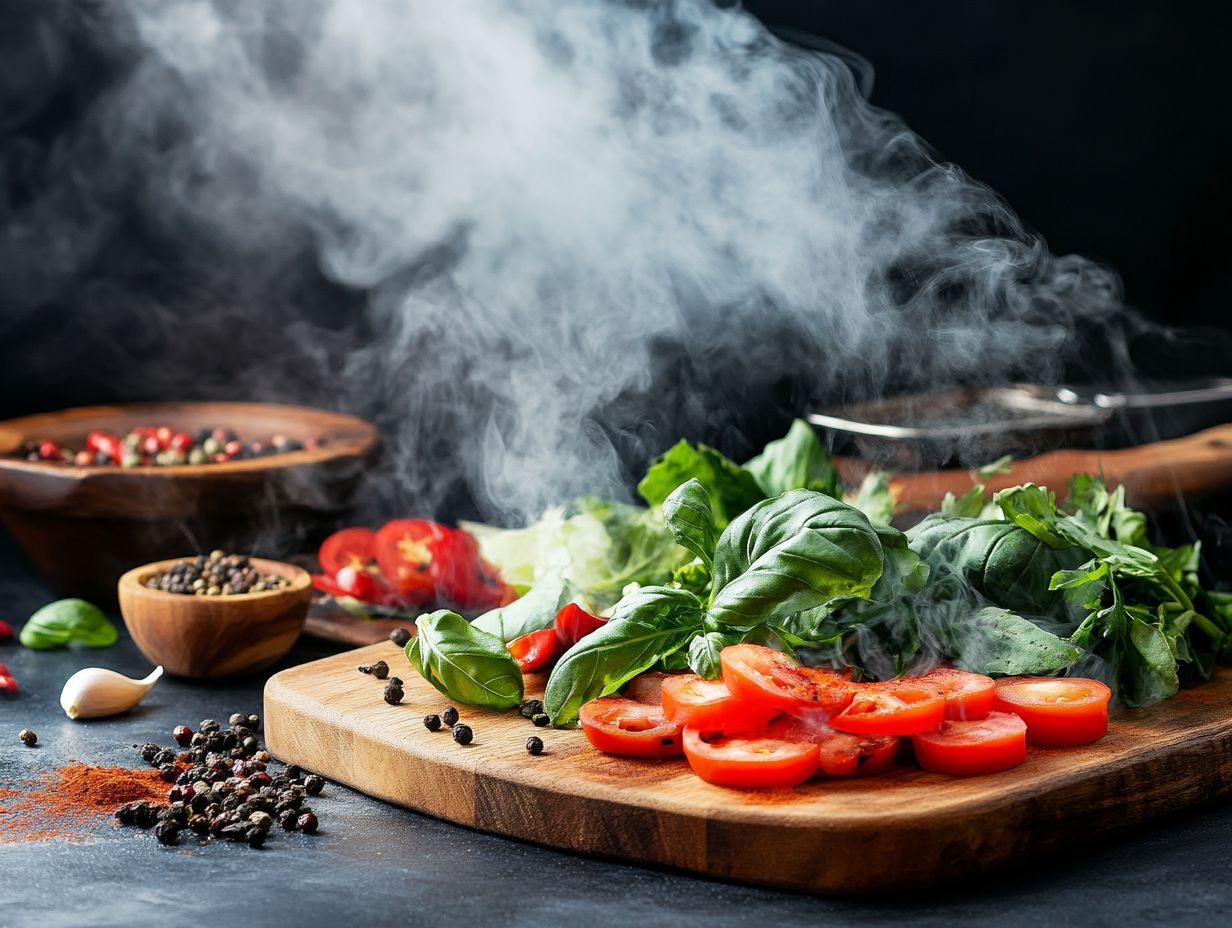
(841,754)
(349,547)
(997,742)
(646,687)
(405,550)
(709,706)
(967,695)
(892,708)
(750,761)
(617,725)
(771,678)
(1057,710)
(356,582)
(536,650)
(573,623)
(462,578)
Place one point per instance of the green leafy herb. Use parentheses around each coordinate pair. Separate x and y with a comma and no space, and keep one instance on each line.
(874,498)
(996,641)
(529,613)
(704,652)
(463,662)
(798,461)
(66,620)
(691,521)
(1002,465)
(731,488)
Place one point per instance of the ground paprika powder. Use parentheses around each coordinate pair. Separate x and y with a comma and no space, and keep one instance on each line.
(71,801)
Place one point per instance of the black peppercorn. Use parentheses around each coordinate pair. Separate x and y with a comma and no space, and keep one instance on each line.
(463,734)
(250,746)
(256,836)
(27,737)
(540,721)
(148,750)
(395,681)
(237,719)
(183,735)
(534,745)
(450,716)
(167,832)
(393,694)
(124,814)
(432,722)
(197,740)
(313,784)
(530,708)
(170,772)
(364,668)
(307,823)
(208,726)
(259,779)
(165,756)
(292,772)
(380,670)
(254,722)
(287,818)
(400,636)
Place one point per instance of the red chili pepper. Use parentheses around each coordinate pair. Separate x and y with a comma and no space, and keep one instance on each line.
(573,623)
(6,634)
(8,686)
(536,650)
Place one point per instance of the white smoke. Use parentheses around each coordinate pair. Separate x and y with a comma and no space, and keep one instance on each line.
(541,194)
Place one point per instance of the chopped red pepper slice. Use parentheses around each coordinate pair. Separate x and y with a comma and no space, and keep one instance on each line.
(536,650)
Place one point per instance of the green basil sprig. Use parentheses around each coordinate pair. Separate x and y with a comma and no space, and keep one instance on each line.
(463,662)
(65,620)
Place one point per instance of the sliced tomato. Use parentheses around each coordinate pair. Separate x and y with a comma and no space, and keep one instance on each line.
(893,708)
(356,582)
(750,761)
(646,687)
(709,706)
(616,725)
(770,678)
(354,547)
(573,623)
(996,742)
(968,695)
(536,651)
(1057,710)
(841,754)
(405,549)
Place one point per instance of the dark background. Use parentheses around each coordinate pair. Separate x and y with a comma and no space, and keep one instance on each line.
(1102,123)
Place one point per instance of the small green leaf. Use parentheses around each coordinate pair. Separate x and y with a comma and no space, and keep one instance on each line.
(66,620)
(1033,508)
(968,506)
(798,461)
(731,488)
(691,521)
(704,651)
(1002,465)
(874,498)
(529,613)
(463,662)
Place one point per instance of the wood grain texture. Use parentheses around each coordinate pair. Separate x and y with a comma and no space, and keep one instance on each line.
(905,829)
(84,526)
(214,636)
(1156,476)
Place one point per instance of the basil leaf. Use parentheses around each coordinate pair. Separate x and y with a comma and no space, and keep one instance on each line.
(732,489)
(646,627)
(529,613)
(704,653)
(691,521)
(968,506)
(789,554)
(463,662)
(1033,508)
(65,620)
(798,461)
(997,641)
(694,577)
(874,498)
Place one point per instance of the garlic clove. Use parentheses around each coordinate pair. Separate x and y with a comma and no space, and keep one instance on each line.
(93,693)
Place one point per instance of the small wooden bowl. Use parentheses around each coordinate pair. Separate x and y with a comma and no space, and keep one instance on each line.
(84,526)
(214,636)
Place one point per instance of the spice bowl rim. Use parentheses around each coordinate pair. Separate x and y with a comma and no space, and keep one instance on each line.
(134,579)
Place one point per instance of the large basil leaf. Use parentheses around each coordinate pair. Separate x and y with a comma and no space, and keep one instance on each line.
(731,488)
(797,461)
(529,613)
(646,627)
(789,554)
(689,516)
(463,662)
(996,641)
(65,620)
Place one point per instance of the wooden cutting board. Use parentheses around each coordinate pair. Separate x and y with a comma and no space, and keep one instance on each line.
(901,830)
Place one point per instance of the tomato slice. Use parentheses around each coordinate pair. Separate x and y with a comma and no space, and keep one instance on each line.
(770,678)
(353,547)
(709,706)
(893,708)
(996,742)
(536,650)
(356,582)
(646,687)
(750,761)
(405,550)
(841,754)
(1057,710)
(616,725)
(573,623)
(968,695)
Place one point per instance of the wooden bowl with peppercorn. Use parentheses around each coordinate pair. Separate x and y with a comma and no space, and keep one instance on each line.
(90,492)
(203,622)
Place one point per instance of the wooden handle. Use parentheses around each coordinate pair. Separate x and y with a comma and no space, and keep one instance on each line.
(1155,476)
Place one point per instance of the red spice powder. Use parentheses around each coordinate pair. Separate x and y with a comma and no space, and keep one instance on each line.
(71,801)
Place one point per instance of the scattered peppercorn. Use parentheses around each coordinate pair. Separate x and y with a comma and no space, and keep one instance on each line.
(463,734)
(208,726)
(237,720)
(395,681)
(393,694)
(167,832)
(254,722)
(534,745)
(380,670)
(541,720)
(182,735)
(450,716)
(364,668)
(530,708)
(307,823)
(27,737)
(432,722)
(400,636)
(313,784)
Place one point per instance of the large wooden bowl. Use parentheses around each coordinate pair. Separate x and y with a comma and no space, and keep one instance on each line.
(84,526)
(214,636)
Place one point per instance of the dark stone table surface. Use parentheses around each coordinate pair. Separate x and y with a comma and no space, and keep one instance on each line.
(375,864)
